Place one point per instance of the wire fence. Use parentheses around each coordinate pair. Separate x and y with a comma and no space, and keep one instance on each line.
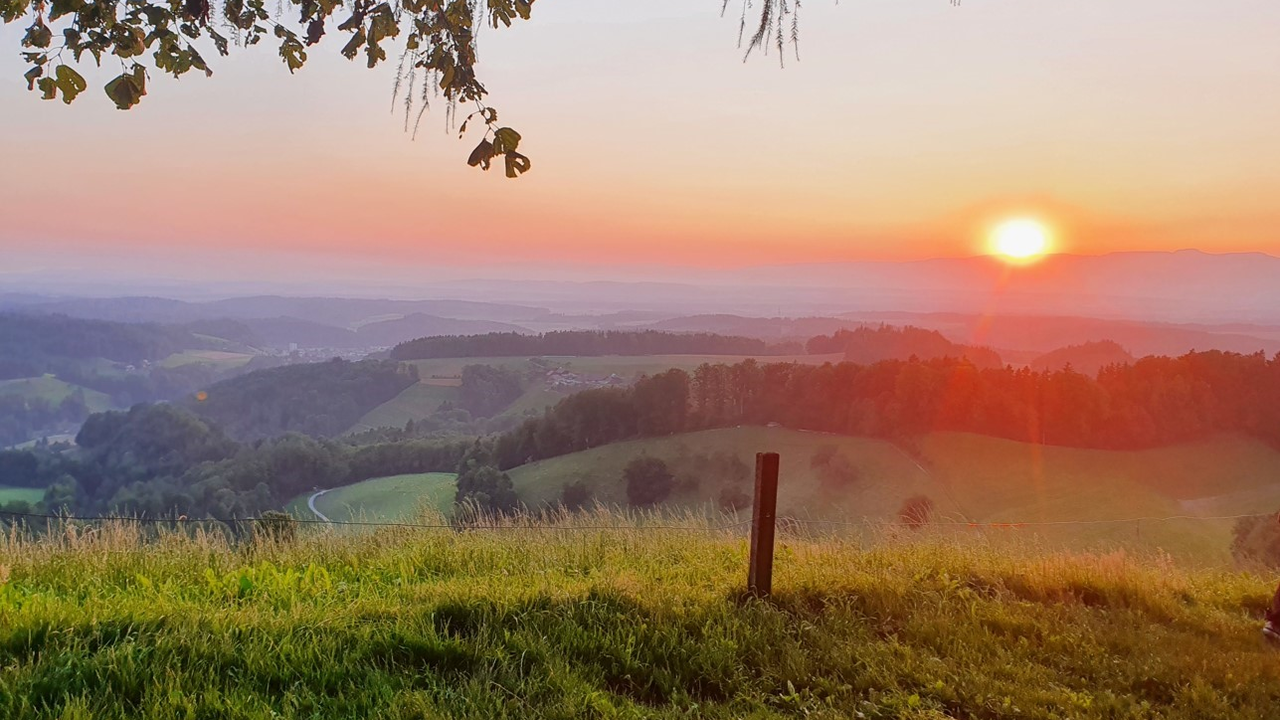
(783,521)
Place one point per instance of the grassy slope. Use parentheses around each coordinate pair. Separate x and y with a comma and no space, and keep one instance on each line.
(10,494)
(413,403)
(396,498)
(974,478)
(618,624)
(423,399)
(221,359)
(53,390)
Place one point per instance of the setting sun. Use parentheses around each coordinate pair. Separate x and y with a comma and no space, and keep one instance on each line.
(1021,239)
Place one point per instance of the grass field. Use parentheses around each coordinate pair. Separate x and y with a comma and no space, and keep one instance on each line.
(413,403)
(970,479)
(620,623)
(223,360)
(391,499)
(53,390)
(11,494)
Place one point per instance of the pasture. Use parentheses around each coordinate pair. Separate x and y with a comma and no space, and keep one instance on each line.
(970,479)
(389,499)
(617,619)
(53,391)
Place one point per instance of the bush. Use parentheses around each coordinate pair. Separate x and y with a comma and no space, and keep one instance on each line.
(275,526)
(733,498)
(1257,540)
(916,512)
(575,496)
(649,481)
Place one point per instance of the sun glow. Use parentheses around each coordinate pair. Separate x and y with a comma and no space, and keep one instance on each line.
(1020,240)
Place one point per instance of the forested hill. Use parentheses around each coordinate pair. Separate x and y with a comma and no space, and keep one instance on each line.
(318,399)
(32,345)
(866,345)
(586,344)
(1153,402)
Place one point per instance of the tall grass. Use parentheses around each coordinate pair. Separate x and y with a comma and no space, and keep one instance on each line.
(617,618)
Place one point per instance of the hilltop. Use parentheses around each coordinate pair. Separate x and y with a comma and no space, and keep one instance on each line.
(531,622)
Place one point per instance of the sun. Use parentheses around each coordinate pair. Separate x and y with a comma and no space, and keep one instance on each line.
(1020,240)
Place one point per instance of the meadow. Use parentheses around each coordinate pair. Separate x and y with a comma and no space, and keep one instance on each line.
(616,619)
(969,478)
(391,499)
(980,486)
(20,494)
(52,390)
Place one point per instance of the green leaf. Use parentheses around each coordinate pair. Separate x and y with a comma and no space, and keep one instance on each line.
(49,87)
(505,140)
(70,82)
(517,164)
(127,89)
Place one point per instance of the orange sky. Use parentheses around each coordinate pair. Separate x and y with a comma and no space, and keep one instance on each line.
(907,128)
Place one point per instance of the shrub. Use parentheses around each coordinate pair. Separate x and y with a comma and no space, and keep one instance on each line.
(916,511)
(275,526)
(575,495)
(649,481)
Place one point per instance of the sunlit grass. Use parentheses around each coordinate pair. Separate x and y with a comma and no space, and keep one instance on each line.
(624,621)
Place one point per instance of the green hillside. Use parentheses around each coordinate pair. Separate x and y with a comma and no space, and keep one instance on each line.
(390,499)
(54,391)
(524,622)
(969,478)
(415,402)
(12,494)
(221,359)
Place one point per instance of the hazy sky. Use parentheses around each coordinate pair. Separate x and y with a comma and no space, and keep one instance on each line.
(906,128)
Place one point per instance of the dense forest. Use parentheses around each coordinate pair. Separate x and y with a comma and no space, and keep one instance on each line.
(317,399)
(584,343)
(33,345)
(866,345)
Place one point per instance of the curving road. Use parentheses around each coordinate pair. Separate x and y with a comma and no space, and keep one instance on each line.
(311,503)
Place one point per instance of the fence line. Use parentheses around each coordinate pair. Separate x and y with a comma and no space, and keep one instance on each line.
(782,520)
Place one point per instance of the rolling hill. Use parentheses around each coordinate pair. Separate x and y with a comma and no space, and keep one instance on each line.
(390,499)
(969,478)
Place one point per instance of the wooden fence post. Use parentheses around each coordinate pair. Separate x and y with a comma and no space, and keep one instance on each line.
(763,518)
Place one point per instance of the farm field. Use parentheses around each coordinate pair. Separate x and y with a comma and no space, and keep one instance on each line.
(619,623)
(54,391)
(390,499)
(969,479)
(221,359)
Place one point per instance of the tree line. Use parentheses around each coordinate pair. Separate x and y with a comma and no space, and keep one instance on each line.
(866,345)
(586,343)
(1151,402)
